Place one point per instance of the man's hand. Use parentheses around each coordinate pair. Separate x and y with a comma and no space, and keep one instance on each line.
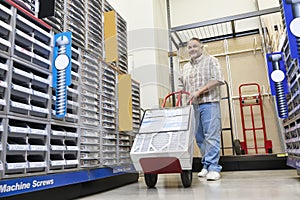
(193,96)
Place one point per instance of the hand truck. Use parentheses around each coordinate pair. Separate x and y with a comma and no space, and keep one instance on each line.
(251,101)
(234,145)
(164,143)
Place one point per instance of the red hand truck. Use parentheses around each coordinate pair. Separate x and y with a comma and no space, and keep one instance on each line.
(178,98)
(251,101)
(164,143)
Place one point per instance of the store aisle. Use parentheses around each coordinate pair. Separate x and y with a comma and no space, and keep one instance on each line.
(241,185)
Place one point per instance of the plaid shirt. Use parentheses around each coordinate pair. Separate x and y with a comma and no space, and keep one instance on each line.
(197,74)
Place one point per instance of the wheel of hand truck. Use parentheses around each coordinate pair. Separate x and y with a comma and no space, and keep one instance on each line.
(270,150)
(186,178)
(150,179)
(237,147)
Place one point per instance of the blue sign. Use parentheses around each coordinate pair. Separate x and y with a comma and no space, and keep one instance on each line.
(278,82)
(61,70)
(31,184)
(292,20)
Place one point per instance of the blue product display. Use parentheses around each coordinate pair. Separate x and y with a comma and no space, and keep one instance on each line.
(278,81)
(292,20)
(61,70)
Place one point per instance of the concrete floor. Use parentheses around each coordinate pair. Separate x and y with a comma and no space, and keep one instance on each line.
(239,185)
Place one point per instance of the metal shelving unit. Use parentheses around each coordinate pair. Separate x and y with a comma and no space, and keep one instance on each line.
(90,111)
(25,93)
(35,145)
(126,138)
(6,15)
(94,27)
(29,92)
(64,148)
(109,140)
(26,149)
(32,43)
(4,66)
(292,123)
(74,20)
(136,106)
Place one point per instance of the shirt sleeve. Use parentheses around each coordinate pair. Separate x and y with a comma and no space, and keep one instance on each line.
(216,73)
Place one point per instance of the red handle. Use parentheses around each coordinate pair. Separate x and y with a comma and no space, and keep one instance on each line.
(179,94)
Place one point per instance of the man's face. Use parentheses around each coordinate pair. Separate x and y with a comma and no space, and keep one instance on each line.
(195,49)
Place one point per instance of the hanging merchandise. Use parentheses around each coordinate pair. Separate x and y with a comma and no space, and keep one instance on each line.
(292,20)
(278,82)
(61,70)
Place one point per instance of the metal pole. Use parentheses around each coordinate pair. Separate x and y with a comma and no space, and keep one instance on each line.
(170,53)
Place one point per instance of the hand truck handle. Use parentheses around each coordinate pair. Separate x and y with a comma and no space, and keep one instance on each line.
(179,95)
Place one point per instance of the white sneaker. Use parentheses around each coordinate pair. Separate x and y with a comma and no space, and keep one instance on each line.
(203,173)
(213,176)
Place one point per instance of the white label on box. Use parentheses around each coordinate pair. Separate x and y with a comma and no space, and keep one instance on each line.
(23,73)
(17,147)
(24,35)
(14,129)
(3,84)
(72,116)
(17,165)
(57,162)
(20,105)
(75,50)
(2,102)
(24,51)
(58,133)
(72,162)
(37,164)
(74,74)
(70,134)
(58,148)
(73,103)
(5,9)
(22,19)
(38,148)
(38,131)
(40,79)
(4,67)
(5,42)
(75,61)
(72,148)
(41,110)
(41,59)
(42,45)
(21,89)
(40,94)
(72,90)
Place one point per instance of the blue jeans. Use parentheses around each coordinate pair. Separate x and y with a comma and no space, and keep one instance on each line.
(208,134)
